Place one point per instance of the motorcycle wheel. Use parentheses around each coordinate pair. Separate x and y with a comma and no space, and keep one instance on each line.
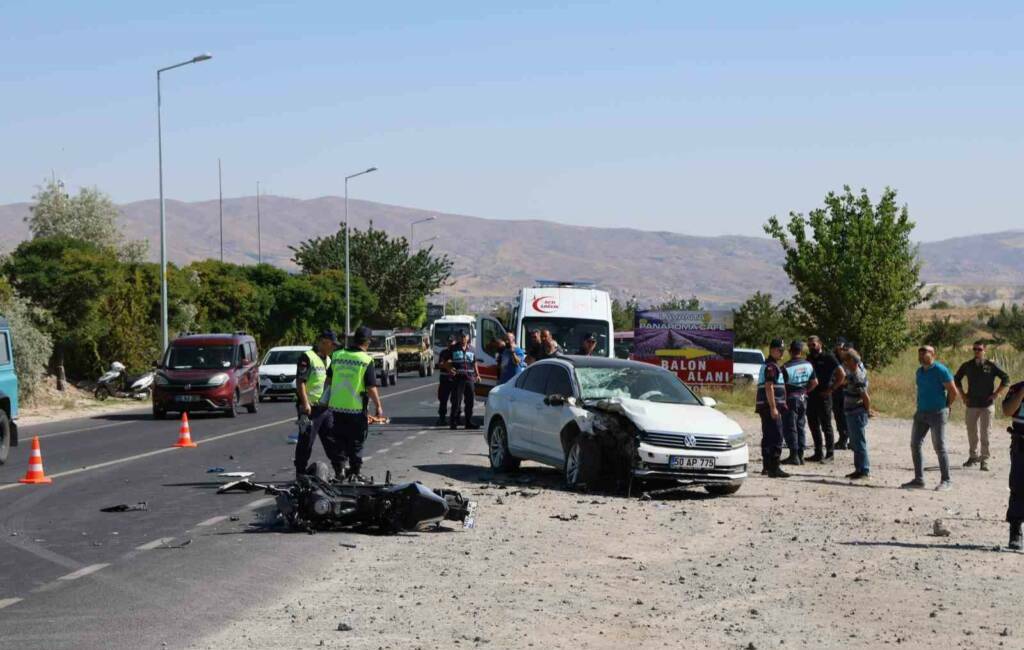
(101,393)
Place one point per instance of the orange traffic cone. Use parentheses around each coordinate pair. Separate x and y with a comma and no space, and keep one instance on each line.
(35,466)
(184,435)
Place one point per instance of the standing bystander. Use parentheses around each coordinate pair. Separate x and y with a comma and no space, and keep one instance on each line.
(936,392)
(856,410)
(980,398)
(819,400)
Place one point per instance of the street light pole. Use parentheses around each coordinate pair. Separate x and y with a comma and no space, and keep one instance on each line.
(412,228)
(160,170)
(348,276)
(220,208)
(259,232)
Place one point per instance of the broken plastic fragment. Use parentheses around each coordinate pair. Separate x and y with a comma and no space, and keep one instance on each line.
(124,507)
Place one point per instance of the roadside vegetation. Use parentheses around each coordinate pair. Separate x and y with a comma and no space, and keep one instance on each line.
(79,297)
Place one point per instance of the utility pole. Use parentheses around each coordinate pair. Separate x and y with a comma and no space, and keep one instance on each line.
(220,208)
(259,235)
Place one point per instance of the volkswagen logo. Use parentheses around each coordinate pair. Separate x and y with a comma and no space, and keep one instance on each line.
(689,441)
(282,379)
(188,386)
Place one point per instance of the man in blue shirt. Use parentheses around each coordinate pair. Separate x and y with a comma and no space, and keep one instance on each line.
(511,360)
(936,392)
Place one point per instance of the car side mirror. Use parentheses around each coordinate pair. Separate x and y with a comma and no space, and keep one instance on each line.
(710,402)
(555,400)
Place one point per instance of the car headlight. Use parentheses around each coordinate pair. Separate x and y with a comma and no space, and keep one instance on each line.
(218,380)
(737,440)
(264,380)
(160,380)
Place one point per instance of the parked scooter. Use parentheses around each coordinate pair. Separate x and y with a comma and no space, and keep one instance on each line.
(116,383)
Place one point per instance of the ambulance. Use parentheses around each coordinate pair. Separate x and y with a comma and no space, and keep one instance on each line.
(570,310)
(445,328)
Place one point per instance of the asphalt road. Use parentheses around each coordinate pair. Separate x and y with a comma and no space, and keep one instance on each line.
(72,576)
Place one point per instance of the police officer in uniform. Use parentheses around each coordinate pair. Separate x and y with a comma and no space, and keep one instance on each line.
(800,380)
(444,386)
(353,382)
(1013,406)
(461,366)
(771,404)
(314,417)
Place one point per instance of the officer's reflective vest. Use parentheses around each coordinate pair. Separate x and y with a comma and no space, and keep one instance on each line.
(463,363)
(779,389)
(799,373)
(348,380)
(317,375)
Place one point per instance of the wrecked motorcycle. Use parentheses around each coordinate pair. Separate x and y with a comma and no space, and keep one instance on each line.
(116,383)
(316,501)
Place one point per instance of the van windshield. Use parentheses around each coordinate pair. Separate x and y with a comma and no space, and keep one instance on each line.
(747,356)
(283,357)
(377,343)
(200,357)
(409,341)
(570,332)
(445,331)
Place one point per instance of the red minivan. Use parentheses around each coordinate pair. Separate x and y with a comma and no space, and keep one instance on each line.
(207,372)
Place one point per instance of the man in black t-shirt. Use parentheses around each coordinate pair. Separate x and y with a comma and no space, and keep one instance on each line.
(819,401)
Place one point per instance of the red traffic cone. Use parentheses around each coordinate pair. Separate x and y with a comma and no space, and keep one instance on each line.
(184,435)
(35,466)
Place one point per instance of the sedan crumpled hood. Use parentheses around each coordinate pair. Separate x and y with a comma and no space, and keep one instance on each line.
(672,418)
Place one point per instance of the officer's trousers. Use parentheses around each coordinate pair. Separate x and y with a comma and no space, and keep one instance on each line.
(794,424)
(819,419)
(1015,510)
(771,435)
(350,430)
(318,424)
(444,394)
(463,391)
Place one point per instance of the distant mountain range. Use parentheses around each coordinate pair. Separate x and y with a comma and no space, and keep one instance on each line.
(494,257)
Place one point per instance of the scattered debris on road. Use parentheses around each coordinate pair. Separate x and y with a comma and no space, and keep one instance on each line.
(124,507)
(939,529)
(215,470)
(565,517)
(344,627)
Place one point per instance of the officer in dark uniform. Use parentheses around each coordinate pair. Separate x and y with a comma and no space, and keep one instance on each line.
(314,416)
(819,401)
(800,379)
(1013,406)
(353,381)
(771,404)
(463,371)
(444,386)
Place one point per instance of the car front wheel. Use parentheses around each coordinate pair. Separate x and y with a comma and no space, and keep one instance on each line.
(582,464)
(501,458)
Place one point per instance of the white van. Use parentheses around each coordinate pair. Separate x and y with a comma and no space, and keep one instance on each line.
(446,327)
(571,310)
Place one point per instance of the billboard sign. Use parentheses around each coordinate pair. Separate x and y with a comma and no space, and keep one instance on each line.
(696,345)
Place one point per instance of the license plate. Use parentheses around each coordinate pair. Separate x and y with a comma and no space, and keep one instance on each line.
(691,462)
(187,398)
(281,386)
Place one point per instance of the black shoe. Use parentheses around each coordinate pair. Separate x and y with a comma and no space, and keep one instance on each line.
(777,472)
(441,421)
(800,458)
(791,460)
(853,476)
(829,457)
(453,426)
(971,462)
(1016,538)
(816,458)
(983,466)
(842,444)
(472,426)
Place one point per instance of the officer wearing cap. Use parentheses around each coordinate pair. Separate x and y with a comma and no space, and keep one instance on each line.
(314,417)
(444,386)
(771,404)
(800,380)
(461,367)
(353,383)
(588,346)
(1013,407)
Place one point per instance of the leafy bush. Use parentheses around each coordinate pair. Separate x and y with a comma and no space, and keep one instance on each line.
(941,304)
(943,332)
(759,320)
(32,346)
(1008,324)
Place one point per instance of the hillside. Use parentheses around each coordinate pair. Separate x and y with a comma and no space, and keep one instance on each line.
(492,257)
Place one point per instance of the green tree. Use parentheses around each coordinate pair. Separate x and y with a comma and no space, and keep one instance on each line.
(503,312)
(623,314)
(1008,324)
(943,332)
(33,347)
(399,277)
(89,216)
(676,303)
(856,273)
(456,305)
(132,335)
(759,320)
(308,304)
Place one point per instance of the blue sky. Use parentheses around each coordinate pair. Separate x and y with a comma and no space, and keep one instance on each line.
(701,118)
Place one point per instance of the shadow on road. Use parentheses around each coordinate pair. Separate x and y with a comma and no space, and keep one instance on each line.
(823,481)
(993,548)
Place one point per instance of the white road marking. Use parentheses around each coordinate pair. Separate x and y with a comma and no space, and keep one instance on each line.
(408,390)
(366,458)
(7,602)
(98,426)
(84,571)
(212,521)
(396,443)
(155,452)
(156,543)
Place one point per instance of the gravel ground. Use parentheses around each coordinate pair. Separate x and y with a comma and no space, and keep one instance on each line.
(812,561)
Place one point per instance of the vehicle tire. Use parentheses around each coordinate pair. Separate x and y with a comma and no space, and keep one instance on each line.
(101,393)
(501,458)
(5,437)
(252,407)
(723,490)
(582,469)
(159,414)
(233,407)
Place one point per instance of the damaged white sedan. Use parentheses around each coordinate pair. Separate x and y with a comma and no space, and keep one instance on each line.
(608,422)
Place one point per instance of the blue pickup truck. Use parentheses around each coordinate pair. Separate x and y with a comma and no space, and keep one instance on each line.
(8,393)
